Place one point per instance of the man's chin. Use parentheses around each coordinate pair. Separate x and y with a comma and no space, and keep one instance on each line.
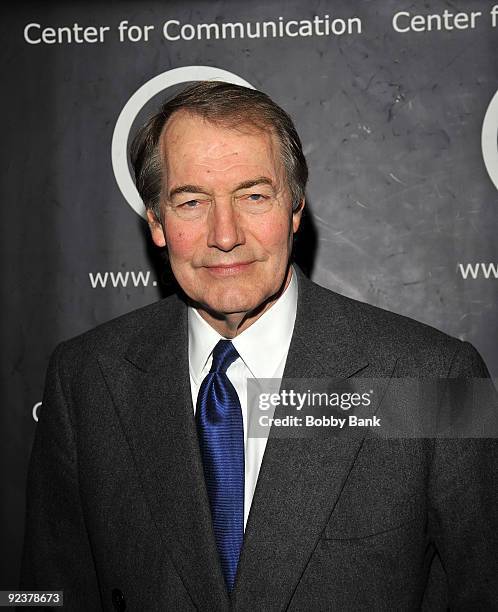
(225,303)
(226,307)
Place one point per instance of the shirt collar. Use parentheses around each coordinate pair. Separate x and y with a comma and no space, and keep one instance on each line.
(261,346)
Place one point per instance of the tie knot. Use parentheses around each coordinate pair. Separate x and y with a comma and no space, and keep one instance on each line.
(224,354)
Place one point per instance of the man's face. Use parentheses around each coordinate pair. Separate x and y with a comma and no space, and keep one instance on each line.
(227,218)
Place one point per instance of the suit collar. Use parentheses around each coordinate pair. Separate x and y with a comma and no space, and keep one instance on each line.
(161,341)
(324,342)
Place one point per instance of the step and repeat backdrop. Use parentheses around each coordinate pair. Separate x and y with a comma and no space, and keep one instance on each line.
(396,103)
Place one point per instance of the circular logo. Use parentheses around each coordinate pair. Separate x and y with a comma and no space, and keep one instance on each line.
(34,411)
(119,147)
(489,140)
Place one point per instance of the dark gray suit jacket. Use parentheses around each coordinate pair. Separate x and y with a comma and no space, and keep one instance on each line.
(117,510)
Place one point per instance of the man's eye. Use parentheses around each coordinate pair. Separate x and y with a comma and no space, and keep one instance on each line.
(255,203)
(190,204)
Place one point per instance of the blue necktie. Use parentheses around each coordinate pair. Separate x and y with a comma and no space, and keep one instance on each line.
(221,439)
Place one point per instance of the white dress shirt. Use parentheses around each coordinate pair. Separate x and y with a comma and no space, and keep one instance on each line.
(263,349)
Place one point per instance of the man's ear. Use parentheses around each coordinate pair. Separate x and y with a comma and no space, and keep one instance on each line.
(156,229)
(296,216)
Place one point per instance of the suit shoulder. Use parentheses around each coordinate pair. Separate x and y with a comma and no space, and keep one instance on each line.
(391,324)
(115,334)
(368,316)
(419,347)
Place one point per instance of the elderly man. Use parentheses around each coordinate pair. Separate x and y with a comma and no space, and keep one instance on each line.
(146,491)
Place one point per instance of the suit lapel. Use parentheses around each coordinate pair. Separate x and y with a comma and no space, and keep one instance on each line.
(300,478)
(151,391)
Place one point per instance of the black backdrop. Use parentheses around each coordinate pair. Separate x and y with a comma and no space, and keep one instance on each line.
(391,114)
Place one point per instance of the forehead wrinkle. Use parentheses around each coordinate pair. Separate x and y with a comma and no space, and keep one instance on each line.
(217,158)
(171,131)
(227,165)
(217,150)
(172,134)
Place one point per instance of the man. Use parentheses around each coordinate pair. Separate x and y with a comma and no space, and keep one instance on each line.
(145,490)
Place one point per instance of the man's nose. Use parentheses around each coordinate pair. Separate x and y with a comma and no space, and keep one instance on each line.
(224,231)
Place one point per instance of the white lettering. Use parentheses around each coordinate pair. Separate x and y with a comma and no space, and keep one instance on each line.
(288,30)
(187,31)
(494,15)
(31,41)
(355,421)
(232,27)
(166,33)
(403,21)
(208,28)
(486,270)
(324,421)
(396,26)
(34,34)
(174,30)
(338,26)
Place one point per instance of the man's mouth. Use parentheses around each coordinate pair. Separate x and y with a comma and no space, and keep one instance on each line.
(228,269)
